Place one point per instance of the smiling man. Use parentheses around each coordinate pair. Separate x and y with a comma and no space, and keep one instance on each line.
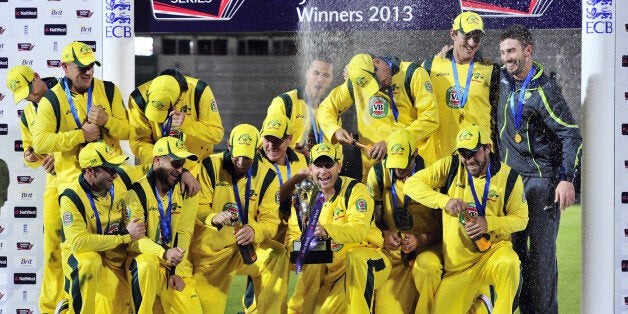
(481,197)
(539,138)
(465,84)
(346,218)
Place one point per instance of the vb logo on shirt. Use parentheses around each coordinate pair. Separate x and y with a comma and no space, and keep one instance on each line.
(378,107)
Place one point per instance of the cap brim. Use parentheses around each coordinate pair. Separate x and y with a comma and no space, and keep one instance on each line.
(115,161)
(239,151)
(187,155)
(86,62)
(21,94)
(155,115)
(400,162)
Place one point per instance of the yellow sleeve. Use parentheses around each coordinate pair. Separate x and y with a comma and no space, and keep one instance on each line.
(267,221)
(422,186)
(373,186)
(46,139)
(516,218)
(205,197)
(118,122)
(140,134)
(208,128)
(27,137)
(425,105)
(79,236)
(328,114)
(358,217)
(277,107)
(143,245)
(185,229)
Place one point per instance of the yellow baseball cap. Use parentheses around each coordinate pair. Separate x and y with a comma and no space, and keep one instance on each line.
(323,150)
(80,53)
(97,154)
(173,147)
(244,141)
(278,126)
(162,94)
(400,147)
(362,75)
(467,22)
(19,82)
(472,137)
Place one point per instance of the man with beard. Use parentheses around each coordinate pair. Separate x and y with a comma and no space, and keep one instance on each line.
(412,232)
(301,104)
(27,84)
(359,267)
(78,110)
(539,138)
(158,264)
(388,94)
(94,236)
(483,204)
(465,84)
(236,222)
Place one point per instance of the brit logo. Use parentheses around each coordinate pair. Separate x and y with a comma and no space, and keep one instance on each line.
(84,13)
(25,179)
(55,29)
(19,146)
(26,196)
(53,63)
(25,47)
(24,246)
(25,13)
(24,262)
(24,279)
(25,212)
(56,13)
(84,29)
(210,10)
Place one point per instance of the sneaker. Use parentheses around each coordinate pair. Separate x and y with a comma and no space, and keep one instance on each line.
(62,306)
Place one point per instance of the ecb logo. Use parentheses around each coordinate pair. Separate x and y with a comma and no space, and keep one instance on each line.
(598,16)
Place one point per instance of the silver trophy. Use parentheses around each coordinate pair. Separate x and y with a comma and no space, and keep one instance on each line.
(307,190)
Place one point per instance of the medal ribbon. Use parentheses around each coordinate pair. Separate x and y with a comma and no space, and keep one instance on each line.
(390,92)
(243,212)
(481,206)
(68,95)
(165,127)
(463,98)
(308,240)
(517,115)
(165,216)
(96,215)
(279,172)
(318,133)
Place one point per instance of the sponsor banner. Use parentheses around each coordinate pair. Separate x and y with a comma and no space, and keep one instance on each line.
(24,278)
(25,212)
(172,16)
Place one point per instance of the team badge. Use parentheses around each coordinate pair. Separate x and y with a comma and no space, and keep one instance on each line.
(67,218)
(378,107)
(452,97)
(336,246)
(360,205)
(214,106)
(231,208)
(428,87)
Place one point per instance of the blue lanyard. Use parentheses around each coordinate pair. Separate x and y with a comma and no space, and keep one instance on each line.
(71,102)
(165,127)
(279,172)
(318,133)
(517,115)
(481,206)
(394,190)
(96,215)
(390,92)
(243,212)
(165,216)
(463,98)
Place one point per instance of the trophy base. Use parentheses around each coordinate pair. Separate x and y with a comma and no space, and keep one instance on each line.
(321,254)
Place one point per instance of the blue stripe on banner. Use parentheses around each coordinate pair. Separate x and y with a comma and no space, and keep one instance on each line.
(135,286)
(75,285)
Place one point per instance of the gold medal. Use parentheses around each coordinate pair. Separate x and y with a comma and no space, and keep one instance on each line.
(517,137)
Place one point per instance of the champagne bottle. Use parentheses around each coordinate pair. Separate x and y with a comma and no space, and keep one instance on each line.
(483,242)
(409,257)
(247,252)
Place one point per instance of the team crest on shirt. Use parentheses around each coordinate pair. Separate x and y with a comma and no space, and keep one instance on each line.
(127,214)
(452,98)
(67,218)
(213,105)
(378,107)
(428,87)
(492,196)
(360,205)
(339,213)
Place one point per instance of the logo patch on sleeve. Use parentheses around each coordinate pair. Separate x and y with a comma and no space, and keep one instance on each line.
(67,218)
(360,205)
